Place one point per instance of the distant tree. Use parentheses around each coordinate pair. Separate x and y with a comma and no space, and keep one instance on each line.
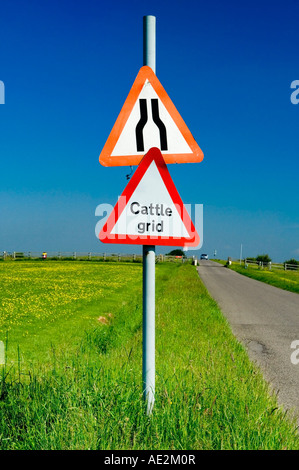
(292,261)
(176,252)
(263,258)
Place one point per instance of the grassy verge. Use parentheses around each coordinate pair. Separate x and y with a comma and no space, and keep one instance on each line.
(287,280)
(89,396)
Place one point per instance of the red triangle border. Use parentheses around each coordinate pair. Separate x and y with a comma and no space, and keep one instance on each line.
(154,154)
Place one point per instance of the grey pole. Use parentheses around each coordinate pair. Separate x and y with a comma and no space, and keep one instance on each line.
(148,346)
(149,255)
(149,41)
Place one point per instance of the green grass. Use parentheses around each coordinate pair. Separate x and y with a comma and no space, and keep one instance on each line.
(82,390)
(287,280)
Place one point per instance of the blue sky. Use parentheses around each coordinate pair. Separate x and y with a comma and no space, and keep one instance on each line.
(68,66)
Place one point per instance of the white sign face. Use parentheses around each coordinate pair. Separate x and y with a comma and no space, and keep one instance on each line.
(150,210)
(150,125)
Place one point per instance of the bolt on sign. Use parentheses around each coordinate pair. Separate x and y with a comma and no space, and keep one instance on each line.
(149,119)
(150,211)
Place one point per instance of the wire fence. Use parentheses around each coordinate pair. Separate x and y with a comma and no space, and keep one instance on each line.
(87,256)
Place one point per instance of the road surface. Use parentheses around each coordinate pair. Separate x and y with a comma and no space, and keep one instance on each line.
(266,320)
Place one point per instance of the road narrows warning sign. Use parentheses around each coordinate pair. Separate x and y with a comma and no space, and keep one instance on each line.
(149,119)
(150,211)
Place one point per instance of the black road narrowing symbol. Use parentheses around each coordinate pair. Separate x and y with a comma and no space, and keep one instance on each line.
(143,120)
(140,125)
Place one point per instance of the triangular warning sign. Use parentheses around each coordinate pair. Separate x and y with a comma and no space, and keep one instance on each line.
(149,119)
(150,210)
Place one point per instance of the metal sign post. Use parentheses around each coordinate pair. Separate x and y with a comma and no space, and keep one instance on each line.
(150,211)
(149,255)
(149,42)
(148,333)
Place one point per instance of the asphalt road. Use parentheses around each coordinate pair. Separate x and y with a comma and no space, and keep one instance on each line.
(266,320)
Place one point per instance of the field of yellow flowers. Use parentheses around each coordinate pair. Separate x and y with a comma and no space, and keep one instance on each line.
(46,302)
